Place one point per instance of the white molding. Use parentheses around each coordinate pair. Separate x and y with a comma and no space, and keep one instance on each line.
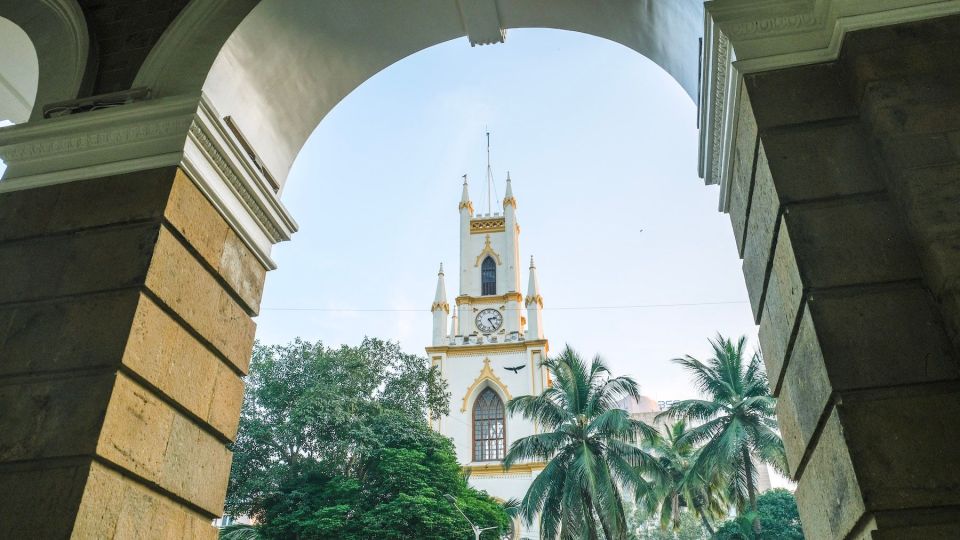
(750,36)
(481,21)
(183,131)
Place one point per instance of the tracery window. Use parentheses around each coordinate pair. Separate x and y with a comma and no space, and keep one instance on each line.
(488,277)
(489,430)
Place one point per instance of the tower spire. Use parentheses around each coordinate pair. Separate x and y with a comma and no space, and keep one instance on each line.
(534,304)
(440,309)
(465,197)
(508,195)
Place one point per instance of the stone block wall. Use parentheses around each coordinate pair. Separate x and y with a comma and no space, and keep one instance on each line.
(845,205)
(125,326)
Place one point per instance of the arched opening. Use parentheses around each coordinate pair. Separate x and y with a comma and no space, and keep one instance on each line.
(19,73)
(488,277)
(489,427)
(790,120)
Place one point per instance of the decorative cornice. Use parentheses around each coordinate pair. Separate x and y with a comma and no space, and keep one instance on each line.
(497,469)
(487,225)
(511,346)
(183,131)
(535,299)
(440,305)
(506,297)
(749,36)
(489,377)
(487,250)
(509,201)
(468,205)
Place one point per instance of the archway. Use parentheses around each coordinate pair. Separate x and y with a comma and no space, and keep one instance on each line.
(155,285)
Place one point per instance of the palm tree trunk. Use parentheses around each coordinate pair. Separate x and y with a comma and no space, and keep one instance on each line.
(704,520)
(706,524)
(589,520)
(748,467)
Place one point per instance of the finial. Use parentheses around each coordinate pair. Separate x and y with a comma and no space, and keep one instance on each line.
(465,197)
(508,199)
(531,262)
(440,273)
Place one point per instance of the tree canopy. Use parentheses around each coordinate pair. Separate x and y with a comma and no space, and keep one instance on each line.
(779,518)
(398,493)
(737,420)
(333,443)
(588,443)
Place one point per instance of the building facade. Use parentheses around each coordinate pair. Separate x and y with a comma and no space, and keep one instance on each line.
(488,346)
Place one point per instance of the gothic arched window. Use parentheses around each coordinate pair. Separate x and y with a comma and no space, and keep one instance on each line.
(489,430)
(488,277)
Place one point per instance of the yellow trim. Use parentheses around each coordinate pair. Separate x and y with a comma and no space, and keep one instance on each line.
(468,205)
(487,250)
(495,468)
(455,350)
(487,225)
(486,375)
(440,305)
(509,200)
(467,299)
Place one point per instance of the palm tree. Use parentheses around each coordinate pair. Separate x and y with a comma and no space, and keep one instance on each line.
(588,444)
(674,483)
(737,422)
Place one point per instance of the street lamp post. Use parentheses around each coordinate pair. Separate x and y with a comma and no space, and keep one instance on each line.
(476,530)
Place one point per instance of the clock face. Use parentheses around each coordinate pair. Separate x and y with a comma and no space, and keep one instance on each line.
(489,320)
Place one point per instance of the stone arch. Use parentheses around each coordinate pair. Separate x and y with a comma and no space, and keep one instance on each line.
(241,65)
(57,31)
(18,73)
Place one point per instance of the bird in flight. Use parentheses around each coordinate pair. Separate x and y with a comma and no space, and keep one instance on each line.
(515,369)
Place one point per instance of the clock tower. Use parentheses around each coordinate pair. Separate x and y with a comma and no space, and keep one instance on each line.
(488,346)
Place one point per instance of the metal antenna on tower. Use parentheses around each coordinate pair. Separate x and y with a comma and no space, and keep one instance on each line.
(490,186)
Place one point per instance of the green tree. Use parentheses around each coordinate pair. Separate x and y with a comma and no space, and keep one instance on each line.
(777,510)
(738,426)
(588,444)
(674,485)
(397,494)
(307,404)
(644,528)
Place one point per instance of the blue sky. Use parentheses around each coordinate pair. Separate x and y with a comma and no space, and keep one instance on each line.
(602,148)
(601,145)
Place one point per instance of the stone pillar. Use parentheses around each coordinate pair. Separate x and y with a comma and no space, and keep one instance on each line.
(844,200)
(125,328)
(134,242)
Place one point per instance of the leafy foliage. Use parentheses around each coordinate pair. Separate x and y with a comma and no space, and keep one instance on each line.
(589,446)
(398,493)
(644,528)
(779,518)
(333,443)
(306,404)
(737,423)
(675,487)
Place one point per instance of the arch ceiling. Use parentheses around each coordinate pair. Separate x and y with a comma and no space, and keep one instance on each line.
(45,55)
(289,62)
(18,73)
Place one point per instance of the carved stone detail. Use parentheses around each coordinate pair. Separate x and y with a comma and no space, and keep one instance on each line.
(239,186)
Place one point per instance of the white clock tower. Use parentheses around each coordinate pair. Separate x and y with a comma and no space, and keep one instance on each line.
(488,347)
